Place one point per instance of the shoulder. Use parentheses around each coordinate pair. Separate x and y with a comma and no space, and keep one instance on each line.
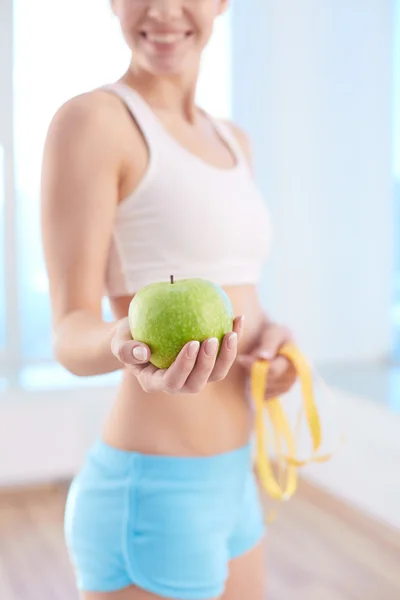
(243,139)
(92,131)
(87,118)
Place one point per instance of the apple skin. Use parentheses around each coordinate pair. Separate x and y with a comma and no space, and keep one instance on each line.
(166,316)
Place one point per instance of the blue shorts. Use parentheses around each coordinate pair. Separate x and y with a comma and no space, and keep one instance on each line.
(168,525)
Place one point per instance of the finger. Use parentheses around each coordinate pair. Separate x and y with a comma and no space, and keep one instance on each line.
(282,376)
(130,352)
(272,340)
(228,350)
(123,330)
(283,384)
(148,376)
(238,326)
(127,350)
(280,368)
(174,378)
(225,358)
(283,388)
(203,367)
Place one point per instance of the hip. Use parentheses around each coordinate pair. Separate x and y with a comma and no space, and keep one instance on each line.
(167,524)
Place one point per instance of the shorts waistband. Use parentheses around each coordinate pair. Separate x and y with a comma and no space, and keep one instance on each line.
(181,467)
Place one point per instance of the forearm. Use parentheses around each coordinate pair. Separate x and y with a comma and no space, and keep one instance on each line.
(82,344)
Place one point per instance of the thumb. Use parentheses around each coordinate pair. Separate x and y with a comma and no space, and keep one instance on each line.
(127,350)
(123,331)
(130,353)
(271,341)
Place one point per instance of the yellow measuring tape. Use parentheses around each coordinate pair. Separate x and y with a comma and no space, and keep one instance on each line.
(284,486)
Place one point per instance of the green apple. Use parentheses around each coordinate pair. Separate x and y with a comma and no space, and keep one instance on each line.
(167,315)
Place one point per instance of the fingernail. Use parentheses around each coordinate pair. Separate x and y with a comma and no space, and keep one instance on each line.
(140,353)
(241,321)
(193,349)
(232,341)
(211,346)
(265,355)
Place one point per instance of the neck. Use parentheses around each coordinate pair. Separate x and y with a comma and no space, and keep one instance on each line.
(175,94)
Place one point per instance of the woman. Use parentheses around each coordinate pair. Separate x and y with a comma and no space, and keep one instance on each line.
(139,183)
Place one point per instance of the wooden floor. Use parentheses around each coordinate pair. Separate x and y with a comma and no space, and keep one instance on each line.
(319,549)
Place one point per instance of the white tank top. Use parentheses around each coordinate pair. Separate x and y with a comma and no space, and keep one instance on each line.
(186,218)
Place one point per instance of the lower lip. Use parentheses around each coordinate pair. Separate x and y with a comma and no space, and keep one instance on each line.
(166,48)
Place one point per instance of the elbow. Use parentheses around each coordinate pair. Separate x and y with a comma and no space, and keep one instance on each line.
(63,359)
(79,346)
(75,363)
(68,359)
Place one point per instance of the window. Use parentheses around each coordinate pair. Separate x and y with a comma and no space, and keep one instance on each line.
(2,256)
(396,172)
(81,50)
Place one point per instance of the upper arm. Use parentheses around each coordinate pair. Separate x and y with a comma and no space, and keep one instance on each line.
(244,141)
(79,195)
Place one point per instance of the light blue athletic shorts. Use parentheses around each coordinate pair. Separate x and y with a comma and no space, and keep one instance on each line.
(169,525)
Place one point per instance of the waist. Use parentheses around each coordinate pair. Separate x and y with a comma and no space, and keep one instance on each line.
(218,419)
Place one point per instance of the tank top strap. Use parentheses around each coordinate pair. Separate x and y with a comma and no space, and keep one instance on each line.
(230,139)
(141,112)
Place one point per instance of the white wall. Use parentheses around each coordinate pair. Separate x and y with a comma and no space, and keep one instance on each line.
(44,435)
(396,111)
(313,86)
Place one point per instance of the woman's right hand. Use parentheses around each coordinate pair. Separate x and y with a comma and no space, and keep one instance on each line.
(194,367)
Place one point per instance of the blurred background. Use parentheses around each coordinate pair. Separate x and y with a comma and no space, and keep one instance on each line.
(316,83)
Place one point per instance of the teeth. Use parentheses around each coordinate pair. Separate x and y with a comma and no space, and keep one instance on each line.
(165,38)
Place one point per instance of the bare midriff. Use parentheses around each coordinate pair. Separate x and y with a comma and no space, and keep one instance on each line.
(217,419)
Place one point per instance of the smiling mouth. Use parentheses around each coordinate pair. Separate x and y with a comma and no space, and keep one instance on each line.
(167,38)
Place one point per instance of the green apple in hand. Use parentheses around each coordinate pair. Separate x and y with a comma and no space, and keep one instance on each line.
(167,315)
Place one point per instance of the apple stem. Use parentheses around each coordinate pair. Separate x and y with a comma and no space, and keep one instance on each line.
(171,278)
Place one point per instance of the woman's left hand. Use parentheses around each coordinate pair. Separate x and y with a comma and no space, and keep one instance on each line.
(281,374)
